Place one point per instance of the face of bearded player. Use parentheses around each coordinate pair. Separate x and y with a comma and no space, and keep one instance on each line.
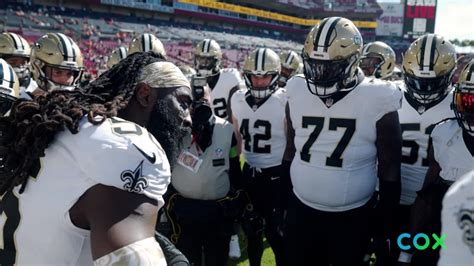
(170,120)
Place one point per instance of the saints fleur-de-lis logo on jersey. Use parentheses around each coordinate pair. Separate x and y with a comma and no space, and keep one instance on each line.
(466,223)
(134,181)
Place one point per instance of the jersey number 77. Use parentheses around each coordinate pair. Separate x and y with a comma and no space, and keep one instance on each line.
(335,159)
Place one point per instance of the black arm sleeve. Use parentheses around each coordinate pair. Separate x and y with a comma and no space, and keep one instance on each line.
(389,200)
(389,149)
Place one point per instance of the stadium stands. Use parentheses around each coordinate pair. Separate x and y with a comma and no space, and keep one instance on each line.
(99,33)
(97,36)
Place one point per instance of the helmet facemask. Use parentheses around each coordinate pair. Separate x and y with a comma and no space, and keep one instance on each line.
(22,72)
(327,77)
(285,74)
(372,65)
(206,65)
(261,92)
(21,68)
(427,91)
(46,83)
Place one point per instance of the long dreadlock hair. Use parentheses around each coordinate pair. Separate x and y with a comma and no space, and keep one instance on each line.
(33,125)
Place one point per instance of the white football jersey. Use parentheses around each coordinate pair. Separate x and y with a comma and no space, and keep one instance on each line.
(450,150)
(228,79)
(24,92)
(334,168)
(35,225)
(416,129)
(262,129)
(457,220)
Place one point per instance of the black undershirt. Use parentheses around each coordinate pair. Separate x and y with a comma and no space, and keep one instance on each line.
(252,102)
(341,94)
(335,97)
(212,80)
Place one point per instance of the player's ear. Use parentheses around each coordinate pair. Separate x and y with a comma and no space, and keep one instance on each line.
(143,94)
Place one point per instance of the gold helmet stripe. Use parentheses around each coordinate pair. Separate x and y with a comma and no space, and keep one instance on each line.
(69,53)
(428,48)
(205,47)
(324,34)
(6,76)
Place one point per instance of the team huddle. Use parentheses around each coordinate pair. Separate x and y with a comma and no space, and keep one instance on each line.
(325,153)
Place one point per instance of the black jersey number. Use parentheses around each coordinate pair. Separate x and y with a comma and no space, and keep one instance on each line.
(247,138)
(334,123)
(9,208)
(220,107)
(414,147)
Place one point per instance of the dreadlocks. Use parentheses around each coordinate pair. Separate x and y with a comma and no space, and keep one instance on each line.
(33,125)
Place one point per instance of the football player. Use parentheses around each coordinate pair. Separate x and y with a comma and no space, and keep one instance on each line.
(377,60)
(344,128)
(16,51)
(87,171)
(451,155)
(147,42)
(223,82)
(56,63)
(116,56)
(457,221)
(9,87)
(259,122)
(290,63)
(428,67)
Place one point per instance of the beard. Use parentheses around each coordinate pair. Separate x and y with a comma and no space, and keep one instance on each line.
(168,129)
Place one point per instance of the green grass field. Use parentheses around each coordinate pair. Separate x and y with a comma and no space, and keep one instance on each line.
(268,259)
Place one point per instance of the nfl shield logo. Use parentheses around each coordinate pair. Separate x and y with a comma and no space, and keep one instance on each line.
(218,153)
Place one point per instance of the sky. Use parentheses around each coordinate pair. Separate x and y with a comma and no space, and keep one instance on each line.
(454,18)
